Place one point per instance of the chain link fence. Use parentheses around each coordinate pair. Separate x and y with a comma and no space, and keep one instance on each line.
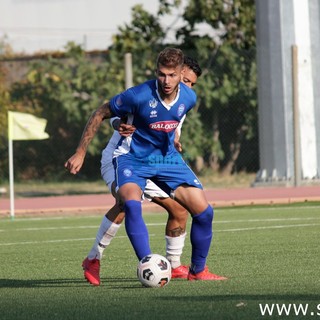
(220,135)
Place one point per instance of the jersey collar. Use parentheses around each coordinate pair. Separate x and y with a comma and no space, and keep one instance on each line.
(167,105)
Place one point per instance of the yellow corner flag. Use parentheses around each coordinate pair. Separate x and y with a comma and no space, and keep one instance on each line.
(24,126)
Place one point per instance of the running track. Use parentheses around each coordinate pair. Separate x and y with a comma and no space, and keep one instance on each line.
(96,204)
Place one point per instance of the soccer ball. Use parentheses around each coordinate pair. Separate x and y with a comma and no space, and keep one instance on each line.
(154,271)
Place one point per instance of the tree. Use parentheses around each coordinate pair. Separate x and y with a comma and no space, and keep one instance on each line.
(5,102)
(65,91)
(228,85)
(217,133)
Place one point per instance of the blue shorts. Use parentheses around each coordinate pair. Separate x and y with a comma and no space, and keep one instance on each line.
(168,172)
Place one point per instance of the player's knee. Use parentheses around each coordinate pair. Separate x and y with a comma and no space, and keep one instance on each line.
(132,208)
(180,215)
(119,218)
(205,216)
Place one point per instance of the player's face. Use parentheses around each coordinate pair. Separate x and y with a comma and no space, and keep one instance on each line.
(168,79)
(188,77)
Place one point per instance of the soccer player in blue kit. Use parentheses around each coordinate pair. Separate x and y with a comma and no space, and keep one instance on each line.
(175,231)
(155,108)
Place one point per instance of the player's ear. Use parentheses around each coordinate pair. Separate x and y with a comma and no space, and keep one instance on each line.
(156,72)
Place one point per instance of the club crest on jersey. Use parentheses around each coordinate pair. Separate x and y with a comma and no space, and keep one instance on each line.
(118,101)
(165,126)
(153,103)
(127,172)
(181,109)
(153,114)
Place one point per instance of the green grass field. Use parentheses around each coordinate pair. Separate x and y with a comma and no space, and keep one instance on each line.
(270,255)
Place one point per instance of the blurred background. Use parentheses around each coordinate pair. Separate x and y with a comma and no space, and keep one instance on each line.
(60,59)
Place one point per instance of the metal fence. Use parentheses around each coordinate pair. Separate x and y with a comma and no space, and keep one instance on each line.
(220,136)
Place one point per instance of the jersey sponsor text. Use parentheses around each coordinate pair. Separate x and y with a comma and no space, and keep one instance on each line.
(165,126)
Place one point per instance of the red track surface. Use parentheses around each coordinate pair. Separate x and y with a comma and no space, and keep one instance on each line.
(90,204)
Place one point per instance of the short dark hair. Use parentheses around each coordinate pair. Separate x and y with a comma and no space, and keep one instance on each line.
(193,65)
(170,57)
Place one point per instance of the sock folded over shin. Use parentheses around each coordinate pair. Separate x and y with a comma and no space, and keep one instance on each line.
(136,228)
(201,236)
(174,247)
(105,234)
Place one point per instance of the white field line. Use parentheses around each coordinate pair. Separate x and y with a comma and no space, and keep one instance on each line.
(40,242)
(220,210)
(162,224)
(269,227)
(152,235)
(56,241)
(268,220)
(269,208)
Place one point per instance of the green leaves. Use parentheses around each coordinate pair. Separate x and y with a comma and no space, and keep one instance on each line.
(219,34)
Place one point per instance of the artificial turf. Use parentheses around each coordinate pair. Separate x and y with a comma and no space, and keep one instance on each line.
(270,255)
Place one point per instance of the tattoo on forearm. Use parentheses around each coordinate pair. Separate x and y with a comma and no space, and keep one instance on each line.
(93,125)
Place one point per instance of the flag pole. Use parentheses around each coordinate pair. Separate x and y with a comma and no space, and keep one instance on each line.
(11,178)
(22,126)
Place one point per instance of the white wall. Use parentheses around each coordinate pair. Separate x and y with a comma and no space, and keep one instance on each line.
(43,25)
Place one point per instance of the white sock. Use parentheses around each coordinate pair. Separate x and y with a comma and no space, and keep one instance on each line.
(174,247)
(105,234)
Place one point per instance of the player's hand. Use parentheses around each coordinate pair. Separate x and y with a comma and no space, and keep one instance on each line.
(74,163)
(126,130)
(178,145)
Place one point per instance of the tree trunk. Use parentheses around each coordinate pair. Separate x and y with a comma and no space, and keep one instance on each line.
(234,153)
(214,157)
(235,148)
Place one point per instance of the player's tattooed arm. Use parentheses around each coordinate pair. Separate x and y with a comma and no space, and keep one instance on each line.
(75,162)
(93,125)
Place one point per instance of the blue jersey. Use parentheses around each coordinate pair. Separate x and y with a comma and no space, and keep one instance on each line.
(155,121)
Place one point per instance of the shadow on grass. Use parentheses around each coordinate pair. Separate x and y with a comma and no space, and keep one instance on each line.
(113,283)
(248,297)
